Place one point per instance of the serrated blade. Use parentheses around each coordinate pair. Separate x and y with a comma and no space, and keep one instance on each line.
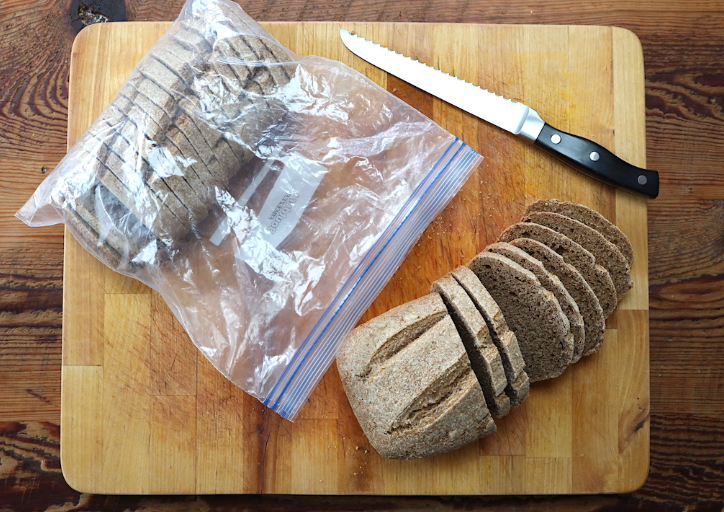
(507,114)
(578,152)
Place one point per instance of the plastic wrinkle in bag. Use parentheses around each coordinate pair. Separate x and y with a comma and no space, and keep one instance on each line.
(268,197)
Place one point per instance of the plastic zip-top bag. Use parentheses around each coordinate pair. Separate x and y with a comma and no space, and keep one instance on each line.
(268,197)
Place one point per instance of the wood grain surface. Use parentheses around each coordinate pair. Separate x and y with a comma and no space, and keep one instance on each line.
(682,43)
(133,384)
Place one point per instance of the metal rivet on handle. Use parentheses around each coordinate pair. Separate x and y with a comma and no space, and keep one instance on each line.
(595,156)
(642,180)
(555,138)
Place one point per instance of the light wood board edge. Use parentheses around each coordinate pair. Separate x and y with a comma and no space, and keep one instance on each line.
(536,469)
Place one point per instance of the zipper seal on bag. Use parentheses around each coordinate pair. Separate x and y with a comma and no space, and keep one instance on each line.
(315,354)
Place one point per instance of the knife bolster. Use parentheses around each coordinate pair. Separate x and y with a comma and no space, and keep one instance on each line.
(532,125)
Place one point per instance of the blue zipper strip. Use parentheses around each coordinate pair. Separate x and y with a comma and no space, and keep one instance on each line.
(341,290)
(287,404)
(293,402)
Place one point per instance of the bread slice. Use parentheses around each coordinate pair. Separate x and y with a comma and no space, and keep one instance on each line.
(607,255)
(590,218)
(265,46)
(593,320)
(135,195)
(132,164)
(482,352)
(410,384)
(551,283)
(218,110)
(533,313)
(145,124)
(115,237)
(595,275)
(179,173)
(518,386)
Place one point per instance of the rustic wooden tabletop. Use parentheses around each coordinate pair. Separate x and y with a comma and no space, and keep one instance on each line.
(683,45)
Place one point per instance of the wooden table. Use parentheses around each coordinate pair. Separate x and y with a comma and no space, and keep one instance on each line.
(683,47)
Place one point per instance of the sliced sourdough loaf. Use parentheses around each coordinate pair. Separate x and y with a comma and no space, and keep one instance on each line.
(595,275)
(590,218)
(518,386)
(532,312)
(593,320)
(482,352)
(607,255)
(410,384)
(551,283)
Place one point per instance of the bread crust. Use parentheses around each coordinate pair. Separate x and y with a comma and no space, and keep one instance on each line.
(482,352)
(590,218)
(532,312)
(410,384)
(518,384)
(551,283)
(574,254)
(607,254)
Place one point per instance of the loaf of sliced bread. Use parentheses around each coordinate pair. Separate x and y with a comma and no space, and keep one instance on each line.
(593,320)
(590,218)
(410,384)
(518,386)
(482,352)
(183,124)
(607,255)
(551,283)
(532,312)
(595,275)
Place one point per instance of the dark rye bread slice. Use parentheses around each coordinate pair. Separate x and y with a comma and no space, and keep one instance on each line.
(108,229)
(216,172)
(221,109)
(551,283)
(188,138)
(198,75)
(264,46)
(224,66)
(273,60)
(156,106)
(151,100)
(590,218)
(162,95)
(153,212)
(482,352)
(518,385)
(196,140)
(410,384)
(593,320)
(173,165)
(532,312)
(250,60)
(186,68)
(127,160)
(224,144)
(242,54)
(607,255)
(89,238)
(202,38)
(189,146)
(595,275)
(219,91)
(139,113)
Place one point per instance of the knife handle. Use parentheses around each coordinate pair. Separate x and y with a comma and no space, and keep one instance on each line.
(598,162)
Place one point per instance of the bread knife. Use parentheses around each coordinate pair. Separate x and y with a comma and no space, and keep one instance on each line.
(517,118)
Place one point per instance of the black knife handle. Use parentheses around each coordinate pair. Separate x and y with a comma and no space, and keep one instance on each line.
(598,162)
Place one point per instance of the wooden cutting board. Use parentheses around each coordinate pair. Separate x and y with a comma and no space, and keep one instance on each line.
(143,412)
